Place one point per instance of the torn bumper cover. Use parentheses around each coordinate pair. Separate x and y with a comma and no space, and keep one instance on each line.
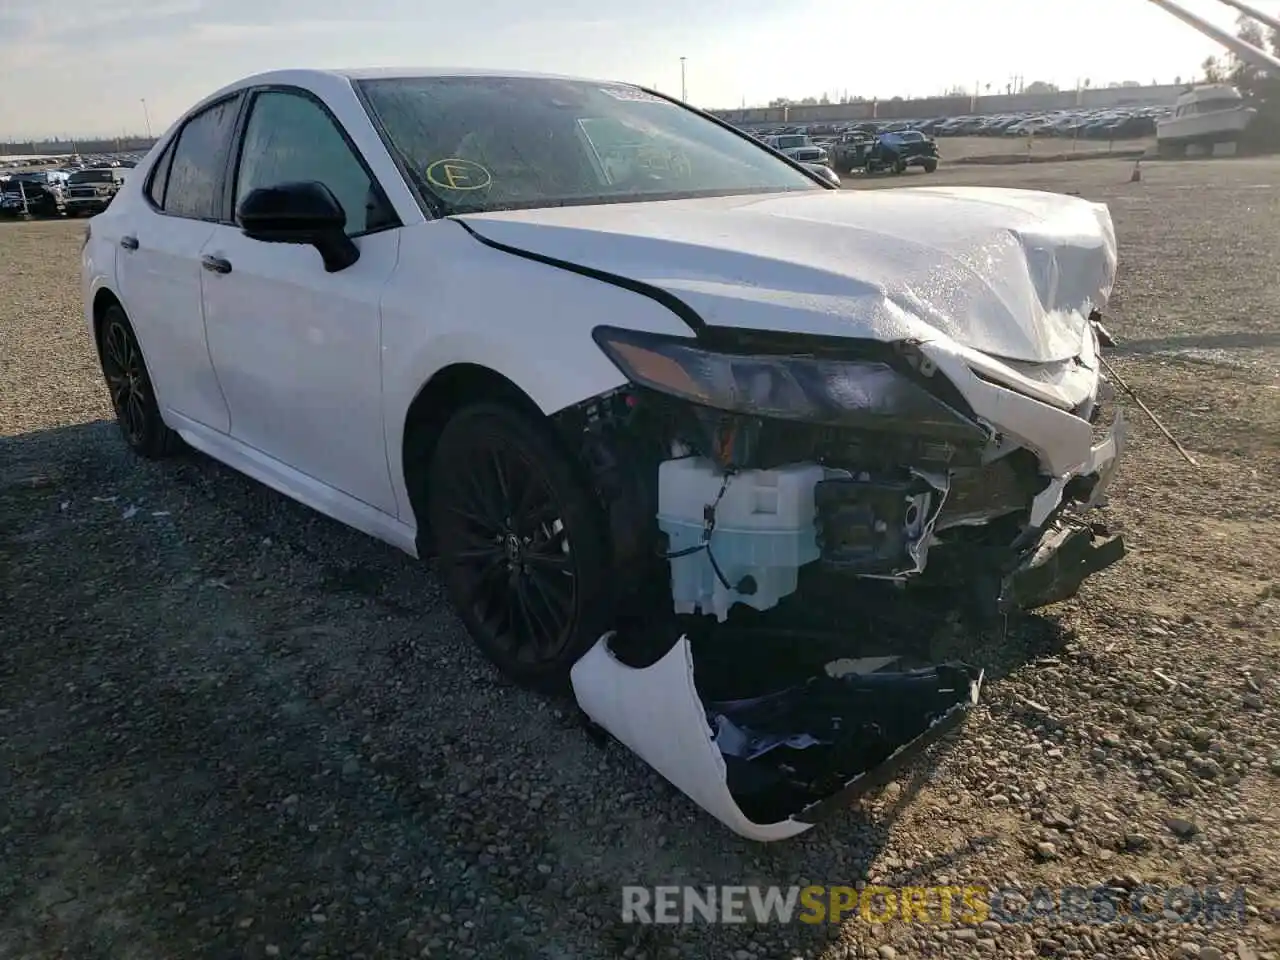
(770,766)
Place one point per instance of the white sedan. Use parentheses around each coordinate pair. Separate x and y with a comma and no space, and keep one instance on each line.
(656,397)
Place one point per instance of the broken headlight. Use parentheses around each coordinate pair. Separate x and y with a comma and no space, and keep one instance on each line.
(856,393)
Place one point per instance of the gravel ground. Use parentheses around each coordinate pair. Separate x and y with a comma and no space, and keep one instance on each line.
(229,727)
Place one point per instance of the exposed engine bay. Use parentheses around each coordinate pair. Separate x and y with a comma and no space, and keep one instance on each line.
(731,524)
(918,492)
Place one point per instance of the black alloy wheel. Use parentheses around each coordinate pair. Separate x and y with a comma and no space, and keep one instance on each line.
(521,543)
(132,396)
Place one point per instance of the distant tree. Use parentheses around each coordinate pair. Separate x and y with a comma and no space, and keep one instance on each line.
(824,100)
(1040,86)
(1251,81)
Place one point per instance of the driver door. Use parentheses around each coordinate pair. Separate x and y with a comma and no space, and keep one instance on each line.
(298,351)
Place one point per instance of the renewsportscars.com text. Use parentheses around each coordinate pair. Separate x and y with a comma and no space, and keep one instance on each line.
(938,904)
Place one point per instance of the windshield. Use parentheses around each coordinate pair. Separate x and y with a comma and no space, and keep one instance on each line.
(474,144)
(1218,103)
(790,143)
(91,176)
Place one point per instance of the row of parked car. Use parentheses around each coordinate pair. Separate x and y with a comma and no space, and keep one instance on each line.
(72,162)
(1113,124)
(80,188)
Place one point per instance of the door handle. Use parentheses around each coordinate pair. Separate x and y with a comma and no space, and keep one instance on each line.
(129,243)
(216,264)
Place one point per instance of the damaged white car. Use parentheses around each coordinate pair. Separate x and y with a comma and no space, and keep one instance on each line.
(660,400)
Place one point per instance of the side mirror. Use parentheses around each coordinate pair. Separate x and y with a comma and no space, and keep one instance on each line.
(306,212)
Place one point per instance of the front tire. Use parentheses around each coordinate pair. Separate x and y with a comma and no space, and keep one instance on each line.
(132,395)
(521,543)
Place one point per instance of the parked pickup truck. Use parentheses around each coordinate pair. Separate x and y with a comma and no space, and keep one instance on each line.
(89,191)
(849,152)
(901,149)
(798,147)
(872,153)
(23,197)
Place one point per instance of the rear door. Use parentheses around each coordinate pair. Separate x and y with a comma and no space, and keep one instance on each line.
(158,263)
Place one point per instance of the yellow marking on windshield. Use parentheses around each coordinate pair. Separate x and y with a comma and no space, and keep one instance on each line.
(457,174)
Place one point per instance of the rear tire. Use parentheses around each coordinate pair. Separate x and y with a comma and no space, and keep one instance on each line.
(132,395)
(521,543)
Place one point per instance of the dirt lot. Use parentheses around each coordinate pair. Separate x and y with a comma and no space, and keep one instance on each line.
(956,148)
(230,728)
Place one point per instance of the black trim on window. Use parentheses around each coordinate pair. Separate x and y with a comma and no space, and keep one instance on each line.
(171,148)
(163,164)
(233,167)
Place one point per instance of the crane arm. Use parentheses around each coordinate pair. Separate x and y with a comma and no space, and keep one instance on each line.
(1247,52)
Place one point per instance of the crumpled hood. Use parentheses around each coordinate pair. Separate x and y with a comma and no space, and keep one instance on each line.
(1013,273)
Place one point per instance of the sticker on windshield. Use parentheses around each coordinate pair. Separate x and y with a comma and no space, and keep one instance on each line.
(456,174)
(634,94)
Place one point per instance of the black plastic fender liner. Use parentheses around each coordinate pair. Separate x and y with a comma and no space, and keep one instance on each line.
(889,769)
(673,303)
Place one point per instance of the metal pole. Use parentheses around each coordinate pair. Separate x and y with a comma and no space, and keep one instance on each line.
(1254,12)
(1245,51)
(684,93)
(146,116)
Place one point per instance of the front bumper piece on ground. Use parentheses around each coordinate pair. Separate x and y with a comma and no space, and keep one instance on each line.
(772,765)
(1059,565)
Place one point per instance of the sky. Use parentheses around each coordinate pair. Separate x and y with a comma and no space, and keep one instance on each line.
(84,67)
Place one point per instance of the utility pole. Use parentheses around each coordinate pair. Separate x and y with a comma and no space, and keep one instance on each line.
(684,92)
(146,116)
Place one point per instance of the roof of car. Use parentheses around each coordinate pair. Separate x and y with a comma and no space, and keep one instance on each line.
(386,73)
(317,79)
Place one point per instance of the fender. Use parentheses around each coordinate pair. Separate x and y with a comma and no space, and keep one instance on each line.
(550,355)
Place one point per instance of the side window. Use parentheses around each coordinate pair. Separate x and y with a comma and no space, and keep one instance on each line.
(291,138)
(160,176)
(195,177)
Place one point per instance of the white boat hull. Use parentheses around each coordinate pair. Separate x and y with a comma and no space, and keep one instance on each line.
(1215,127)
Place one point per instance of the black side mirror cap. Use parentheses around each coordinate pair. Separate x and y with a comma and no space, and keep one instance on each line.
(303,212)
